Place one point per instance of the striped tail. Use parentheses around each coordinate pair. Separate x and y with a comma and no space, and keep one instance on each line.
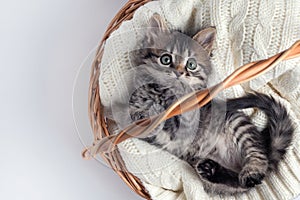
(279,130)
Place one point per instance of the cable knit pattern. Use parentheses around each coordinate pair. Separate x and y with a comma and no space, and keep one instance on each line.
(247,30)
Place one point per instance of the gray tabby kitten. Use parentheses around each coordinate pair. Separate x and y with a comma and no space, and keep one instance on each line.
(219,141)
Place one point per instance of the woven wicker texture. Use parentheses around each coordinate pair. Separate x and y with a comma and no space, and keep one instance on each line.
(98,124)
(101,127)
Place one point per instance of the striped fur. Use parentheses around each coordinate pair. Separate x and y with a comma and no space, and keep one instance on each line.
(226,149)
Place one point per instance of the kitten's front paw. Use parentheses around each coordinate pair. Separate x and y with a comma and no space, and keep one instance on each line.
(207,168)
(250,177)
(138,115)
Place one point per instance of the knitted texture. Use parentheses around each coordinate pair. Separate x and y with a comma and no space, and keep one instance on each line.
(247,30)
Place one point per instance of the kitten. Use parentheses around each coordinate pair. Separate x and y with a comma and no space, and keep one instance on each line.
(219,141)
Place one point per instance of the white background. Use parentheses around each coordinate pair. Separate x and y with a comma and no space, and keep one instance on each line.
(42,45)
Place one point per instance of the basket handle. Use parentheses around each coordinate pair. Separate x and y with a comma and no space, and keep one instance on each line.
(188,102)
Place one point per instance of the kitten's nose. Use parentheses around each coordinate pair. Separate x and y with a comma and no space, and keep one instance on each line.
(180,69)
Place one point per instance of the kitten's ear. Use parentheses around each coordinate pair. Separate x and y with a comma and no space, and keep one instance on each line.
(206,38)
(156,21)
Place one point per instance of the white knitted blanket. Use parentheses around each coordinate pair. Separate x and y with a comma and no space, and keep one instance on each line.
(247,30)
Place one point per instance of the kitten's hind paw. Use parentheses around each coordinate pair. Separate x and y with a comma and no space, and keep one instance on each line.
(250,178)
(207,168)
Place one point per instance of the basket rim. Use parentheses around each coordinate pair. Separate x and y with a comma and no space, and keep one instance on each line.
(97,120)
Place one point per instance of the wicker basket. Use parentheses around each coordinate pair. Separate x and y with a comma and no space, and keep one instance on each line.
(97,120)
(99,123)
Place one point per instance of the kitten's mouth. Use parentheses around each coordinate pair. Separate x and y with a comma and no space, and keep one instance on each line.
(179,74)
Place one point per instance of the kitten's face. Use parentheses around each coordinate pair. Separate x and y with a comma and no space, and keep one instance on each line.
(178,55)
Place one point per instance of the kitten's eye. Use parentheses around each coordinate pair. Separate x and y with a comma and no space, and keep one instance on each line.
(166,59)
(191,64)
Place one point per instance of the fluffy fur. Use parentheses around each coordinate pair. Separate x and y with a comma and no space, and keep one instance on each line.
(219,141)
